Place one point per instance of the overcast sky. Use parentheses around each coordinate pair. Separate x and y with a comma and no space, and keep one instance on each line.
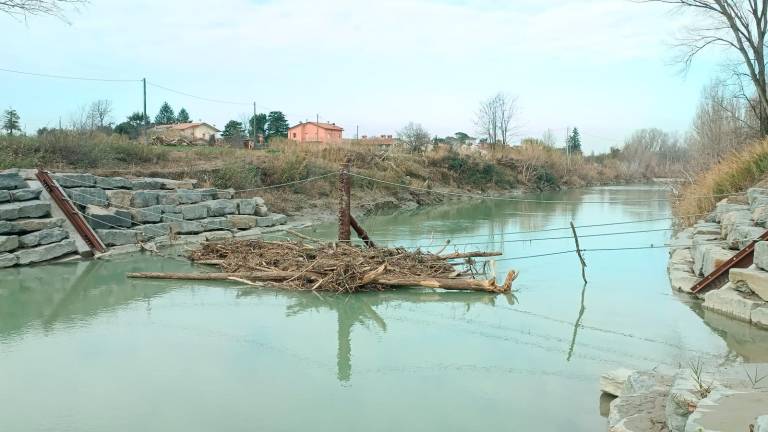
(601,65)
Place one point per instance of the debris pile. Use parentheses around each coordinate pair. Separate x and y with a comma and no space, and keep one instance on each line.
(336,267)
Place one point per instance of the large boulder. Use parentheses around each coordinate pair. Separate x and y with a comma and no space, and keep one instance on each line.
(146,184)
(150,214)
(24,209)
(194,211)
(760,216)
(107,218)
(113,183)
(168,198)
(759,317)
(728,301)
(243,221)
(612,382)
(761,255)
(189,227)
(142,199)
(188,196)
(220,207)
(45,253)
(756,280)
(761,424)
(11,180)
(29,225)
(5,195)
(8,243)
(25,194)
(7,260)
(43,237)
(248,206)
(120,198)
(118,237)
(726,410)
(154,230)
(724,207)
(88,196)
(682,280)
(75,180)
(742,235)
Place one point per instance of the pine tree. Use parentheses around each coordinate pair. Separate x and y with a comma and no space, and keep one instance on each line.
(277,125)
(182,116)
(165,115)
(574,141)
(233,130)
(11,121)
(258,122)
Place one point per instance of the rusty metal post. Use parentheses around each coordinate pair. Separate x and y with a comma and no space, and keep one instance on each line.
(344,202)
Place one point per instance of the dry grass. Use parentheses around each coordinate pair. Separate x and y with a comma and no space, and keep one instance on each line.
(736,173)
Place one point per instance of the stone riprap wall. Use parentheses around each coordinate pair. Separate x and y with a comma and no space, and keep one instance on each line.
(129,211)
(671,400)
(698,250)
(28,233)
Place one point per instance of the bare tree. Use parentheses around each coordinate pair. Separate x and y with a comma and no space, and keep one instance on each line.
(739,26)
(548,138)
(22,9)
(79,120)
(99,113)
(414,136)
(494,119)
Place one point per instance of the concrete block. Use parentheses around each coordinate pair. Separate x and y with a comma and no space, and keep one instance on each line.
(25,194)
(7,260)
(242,221)
(75,180)
(113,183)
(45,253)
(8,243)
(142,199)
(730,302)
(118,237)
(43,237)
(24,209)
(220,207)
(194,211)
(119,198)
(11,180)
(756,279)
(88,196)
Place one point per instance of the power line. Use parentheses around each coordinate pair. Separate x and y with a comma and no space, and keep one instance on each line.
(198,97)
(68,77)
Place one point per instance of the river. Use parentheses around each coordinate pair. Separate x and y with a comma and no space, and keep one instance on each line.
(82,348)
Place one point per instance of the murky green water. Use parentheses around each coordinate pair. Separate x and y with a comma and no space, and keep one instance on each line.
(84,349)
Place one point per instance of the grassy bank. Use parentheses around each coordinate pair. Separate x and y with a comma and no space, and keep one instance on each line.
(526,167)
(736,173)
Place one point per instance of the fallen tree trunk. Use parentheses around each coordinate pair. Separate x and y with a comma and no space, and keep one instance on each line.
(272,276)
(450,284)
(476,254)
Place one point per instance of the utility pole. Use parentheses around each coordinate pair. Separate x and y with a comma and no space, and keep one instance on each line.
(357,132)
(253,123)
(567,150)
(144,84)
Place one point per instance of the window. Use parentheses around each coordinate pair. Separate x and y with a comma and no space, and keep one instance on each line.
(294,134)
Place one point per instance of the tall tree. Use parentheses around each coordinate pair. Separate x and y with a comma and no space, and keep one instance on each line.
(11,120)
(741,27)
(165,115)
(494,119)
(233,130)
(574,141)
(258,123)
(414,136)
(99,112)
(182,116)
(277,125)
(137,119)
(22,9)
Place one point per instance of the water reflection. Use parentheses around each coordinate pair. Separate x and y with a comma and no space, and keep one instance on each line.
(577,324)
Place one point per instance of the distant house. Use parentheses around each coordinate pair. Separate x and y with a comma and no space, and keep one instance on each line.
(316,132)
(190,131)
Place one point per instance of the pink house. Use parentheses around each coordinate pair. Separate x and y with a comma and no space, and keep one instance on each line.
(315,132)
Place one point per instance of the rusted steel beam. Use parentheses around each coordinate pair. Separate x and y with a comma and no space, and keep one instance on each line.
(344,202)
(361,232)
(719,275)
(65,204)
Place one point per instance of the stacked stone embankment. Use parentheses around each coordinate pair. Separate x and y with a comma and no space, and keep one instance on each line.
(28,233)
(123,212)
(686,400)
(131,211)
(699,250)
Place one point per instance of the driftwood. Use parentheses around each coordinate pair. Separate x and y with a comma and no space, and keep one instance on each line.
(336,267)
